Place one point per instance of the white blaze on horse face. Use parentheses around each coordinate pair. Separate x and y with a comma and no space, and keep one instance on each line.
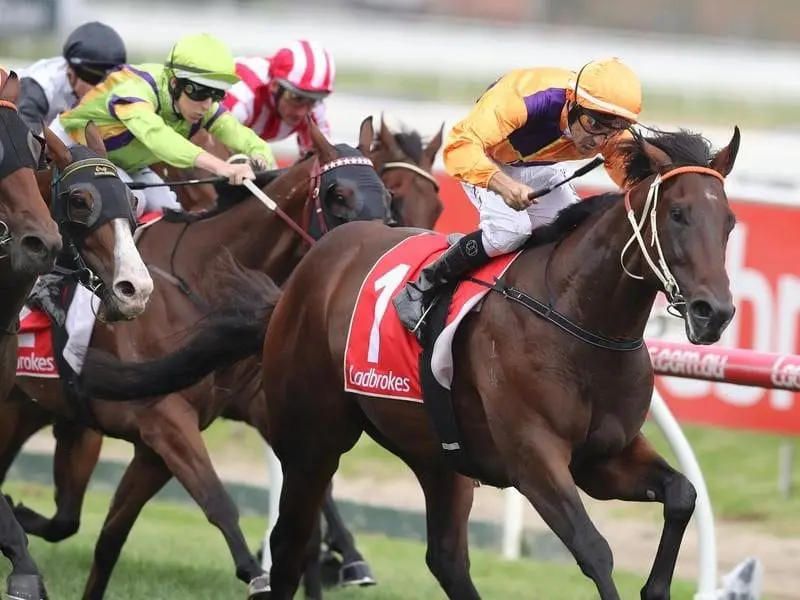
(711,196)
(132,284)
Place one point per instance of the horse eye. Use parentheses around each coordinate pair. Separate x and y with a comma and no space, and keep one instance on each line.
(79,200)
(678,214)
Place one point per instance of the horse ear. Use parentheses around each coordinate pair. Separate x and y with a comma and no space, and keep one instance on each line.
(366,134)
(94,140)
(723,160)
(429,154)
(660,162)
(388,142)
(10,89)
(56,150)
(320,142)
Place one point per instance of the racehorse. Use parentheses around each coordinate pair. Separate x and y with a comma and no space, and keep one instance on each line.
(334,185)
(29,244)
(547,402)
(403,162)
(406,168)
(90,209)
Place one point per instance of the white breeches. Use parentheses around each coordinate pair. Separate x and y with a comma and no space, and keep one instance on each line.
(505,229)
(147,200)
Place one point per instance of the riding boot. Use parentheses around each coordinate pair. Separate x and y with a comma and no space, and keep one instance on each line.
(463,256)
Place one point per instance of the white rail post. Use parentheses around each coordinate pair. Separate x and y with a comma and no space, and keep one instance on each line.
(707,582)
(275,485)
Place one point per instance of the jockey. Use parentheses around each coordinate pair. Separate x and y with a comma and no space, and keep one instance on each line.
(510,144)
(276,94)
(147,113)
(52,85)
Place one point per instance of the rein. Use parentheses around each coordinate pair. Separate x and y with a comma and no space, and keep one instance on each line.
(660,269)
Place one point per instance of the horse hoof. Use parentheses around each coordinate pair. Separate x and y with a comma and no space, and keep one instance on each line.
(258,588)
(25,587)
(356,573)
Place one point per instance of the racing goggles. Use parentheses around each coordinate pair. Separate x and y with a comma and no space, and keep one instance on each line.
(595,123)
(201,93)
(299,100)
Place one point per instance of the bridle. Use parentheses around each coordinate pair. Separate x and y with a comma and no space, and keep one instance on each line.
(659,267)
(407,166)
(313,207)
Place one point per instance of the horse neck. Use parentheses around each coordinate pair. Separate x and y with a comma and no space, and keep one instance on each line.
(259,238)
(586,278)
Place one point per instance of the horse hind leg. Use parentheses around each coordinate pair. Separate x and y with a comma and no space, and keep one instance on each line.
(307,472)
(76,455)
(25,581)
(145,475)
(354,570)
(448,502)
(639,474)
(171,430)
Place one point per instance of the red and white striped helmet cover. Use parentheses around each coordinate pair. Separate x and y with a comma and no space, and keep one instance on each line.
(304,65)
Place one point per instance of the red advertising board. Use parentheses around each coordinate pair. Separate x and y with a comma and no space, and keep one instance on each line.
(764,266)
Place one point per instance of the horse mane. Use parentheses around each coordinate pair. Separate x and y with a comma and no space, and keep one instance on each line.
(684,147)
(410,143)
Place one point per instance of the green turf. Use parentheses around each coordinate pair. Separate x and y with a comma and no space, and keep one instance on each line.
(173,553)
(741,470)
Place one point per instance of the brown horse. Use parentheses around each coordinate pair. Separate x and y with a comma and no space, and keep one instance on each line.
(406,167)
(546,402)
(403,162)
(29,244)
(91,207)
(335,185)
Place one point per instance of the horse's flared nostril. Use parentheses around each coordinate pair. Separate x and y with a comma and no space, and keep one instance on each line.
(34,246)
(125,289)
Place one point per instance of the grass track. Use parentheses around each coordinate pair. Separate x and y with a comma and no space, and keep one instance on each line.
(174,554)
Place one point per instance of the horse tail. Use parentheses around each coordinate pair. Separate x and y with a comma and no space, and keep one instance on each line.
(234,329)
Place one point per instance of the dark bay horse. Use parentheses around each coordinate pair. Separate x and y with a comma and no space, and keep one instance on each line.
(333,186)
(29,244)
(90,210)
(547,409)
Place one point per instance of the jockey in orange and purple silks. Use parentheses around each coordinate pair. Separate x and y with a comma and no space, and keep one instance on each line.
(511,143)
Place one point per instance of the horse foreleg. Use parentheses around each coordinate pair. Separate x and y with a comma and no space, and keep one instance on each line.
(171,430)
(448,501)
(639,474)
(20,418)
(542,459)
(145,475)
(76,455)
(354,570)
(25,582)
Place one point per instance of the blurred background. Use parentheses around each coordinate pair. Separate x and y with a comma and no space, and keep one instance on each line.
(705,64)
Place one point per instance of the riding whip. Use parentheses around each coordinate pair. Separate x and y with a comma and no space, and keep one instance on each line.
(578,173)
